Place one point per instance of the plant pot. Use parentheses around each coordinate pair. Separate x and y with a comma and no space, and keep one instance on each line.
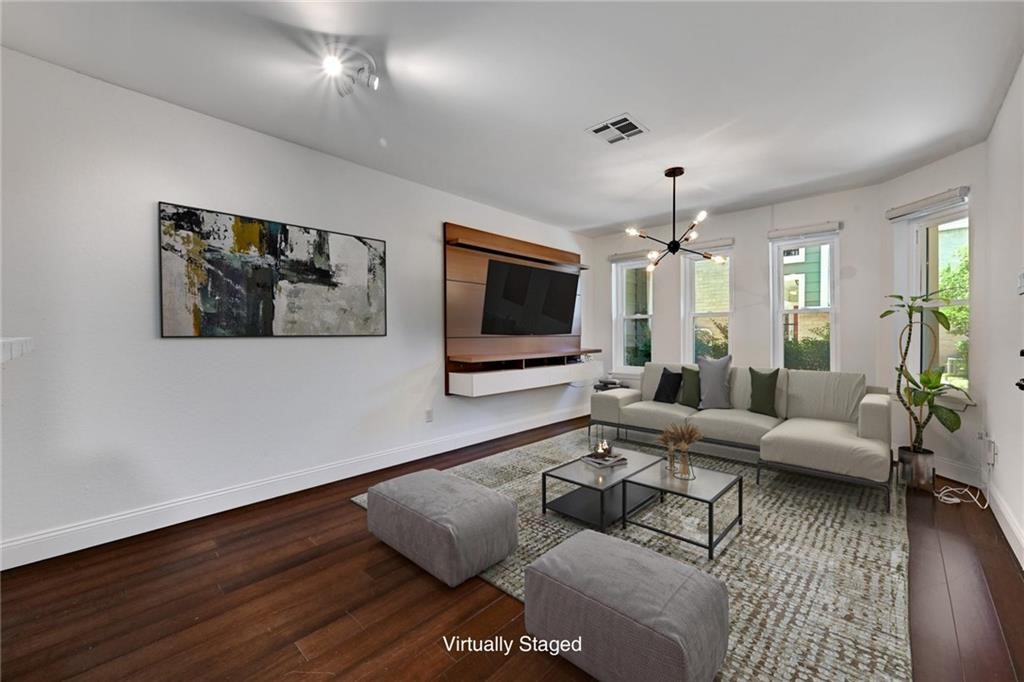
(917,468)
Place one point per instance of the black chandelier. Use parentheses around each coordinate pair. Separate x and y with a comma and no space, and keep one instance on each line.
(676,244)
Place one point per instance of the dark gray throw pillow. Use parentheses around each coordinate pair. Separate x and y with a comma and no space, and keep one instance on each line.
(690,395)
(762,391)
(668,386)
(714,383)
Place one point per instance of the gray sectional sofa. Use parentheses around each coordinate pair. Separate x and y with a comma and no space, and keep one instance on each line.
(829,424)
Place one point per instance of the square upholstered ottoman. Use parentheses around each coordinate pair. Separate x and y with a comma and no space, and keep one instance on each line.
(451,527)
(640,615)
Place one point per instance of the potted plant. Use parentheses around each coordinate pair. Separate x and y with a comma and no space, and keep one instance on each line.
(918,397)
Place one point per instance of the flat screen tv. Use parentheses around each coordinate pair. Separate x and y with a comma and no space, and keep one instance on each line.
(520,299)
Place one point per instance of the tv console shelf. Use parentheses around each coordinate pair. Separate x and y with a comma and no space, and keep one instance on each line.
(478,364)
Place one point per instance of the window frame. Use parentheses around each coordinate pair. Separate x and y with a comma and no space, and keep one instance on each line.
(689,302)
(776,268)
(920,228)
(619,317)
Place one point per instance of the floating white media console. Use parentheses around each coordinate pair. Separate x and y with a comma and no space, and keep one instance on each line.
(476,384)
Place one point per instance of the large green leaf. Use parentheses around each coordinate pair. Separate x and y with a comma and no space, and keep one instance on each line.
(947,417)
(887,313)
(919,397)
(896,296)
(941,318)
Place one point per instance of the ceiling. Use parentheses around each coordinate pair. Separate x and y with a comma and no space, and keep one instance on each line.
(761,102)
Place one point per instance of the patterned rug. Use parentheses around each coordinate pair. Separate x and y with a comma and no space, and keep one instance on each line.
(817,574)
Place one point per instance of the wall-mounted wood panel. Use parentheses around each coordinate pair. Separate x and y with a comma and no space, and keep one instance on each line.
(467,252)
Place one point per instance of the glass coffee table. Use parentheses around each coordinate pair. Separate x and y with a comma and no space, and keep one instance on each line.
(707,487)
(598,499)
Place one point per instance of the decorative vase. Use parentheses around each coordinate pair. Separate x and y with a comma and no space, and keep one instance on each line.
(684,472)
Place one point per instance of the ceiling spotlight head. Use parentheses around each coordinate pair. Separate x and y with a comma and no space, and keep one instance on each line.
(700,217)
(632,231)
(674,171)
(332,65)
(652,255)
(349,66)
(650,267)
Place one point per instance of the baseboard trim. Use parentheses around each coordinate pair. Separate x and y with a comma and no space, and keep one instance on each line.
(1011,529)
(52,542)
(958,471)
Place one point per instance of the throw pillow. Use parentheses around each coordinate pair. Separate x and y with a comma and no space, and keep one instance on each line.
(668,386)
(691,388)
(714,383)
(762,391)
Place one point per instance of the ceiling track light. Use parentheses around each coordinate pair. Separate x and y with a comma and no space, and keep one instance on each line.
(348,66)
(676,244)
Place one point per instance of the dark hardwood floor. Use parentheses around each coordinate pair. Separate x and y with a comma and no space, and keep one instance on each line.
(297,585)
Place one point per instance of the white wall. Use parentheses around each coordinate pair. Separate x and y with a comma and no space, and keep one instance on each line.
(1001,250)
(874,260)
(109,430)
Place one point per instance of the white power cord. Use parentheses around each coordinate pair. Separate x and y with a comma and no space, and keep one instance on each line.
(950,495)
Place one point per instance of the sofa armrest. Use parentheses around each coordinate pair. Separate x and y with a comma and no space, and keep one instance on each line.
(605,406)
(873,418)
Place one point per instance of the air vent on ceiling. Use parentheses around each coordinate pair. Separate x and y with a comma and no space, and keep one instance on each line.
(618,128)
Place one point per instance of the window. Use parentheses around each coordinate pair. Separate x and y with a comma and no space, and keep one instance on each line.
(707,305)
(945,259)
(632,296)
(803,303)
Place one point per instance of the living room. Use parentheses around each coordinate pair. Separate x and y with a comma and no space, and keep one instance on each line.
(510,235)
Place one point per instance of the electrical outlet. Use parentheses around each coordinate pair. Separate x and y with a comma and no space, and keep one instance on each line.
(428,416)
(1020,282)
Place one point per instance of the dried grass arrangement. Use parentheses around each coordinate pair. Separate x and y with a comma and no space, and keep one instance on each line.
(677,439)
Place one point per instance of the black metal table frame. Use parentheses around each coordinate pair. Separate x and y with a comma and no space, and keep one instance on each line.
(600,491)
(712,540)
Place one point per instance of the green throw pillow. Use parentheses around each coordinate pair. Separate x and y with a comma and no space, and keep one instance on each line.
(762,391)
(691,388)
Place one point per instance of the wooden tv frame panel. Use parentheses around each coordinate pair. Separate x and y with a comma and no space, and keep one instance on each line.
(466,254)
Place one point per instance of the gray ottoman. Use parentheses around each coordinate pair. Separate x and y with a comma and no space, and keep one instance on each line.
(641,615)
(451,527)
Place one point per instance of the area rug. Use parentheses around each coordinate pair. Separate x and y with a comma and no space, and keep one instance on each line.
(817,575)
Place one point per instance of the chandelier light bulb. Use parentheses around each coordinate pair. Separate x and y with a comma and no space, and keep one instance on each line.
(700,217)
(332,66)
(652,255)
(718,259)
(693,235)
(650,267)
(632,232)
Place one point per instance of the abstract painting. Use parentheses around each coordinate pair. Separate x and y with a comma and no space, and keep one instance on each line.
(229,275)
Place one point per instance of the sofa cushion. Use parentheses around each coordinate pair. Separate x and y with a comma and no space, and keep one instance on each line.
(733,426)
(739,388)
(824,445)
(689,394)
(825,395)
(648,414)
(651,377)
(668,386)
(714,383)
(762,391)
